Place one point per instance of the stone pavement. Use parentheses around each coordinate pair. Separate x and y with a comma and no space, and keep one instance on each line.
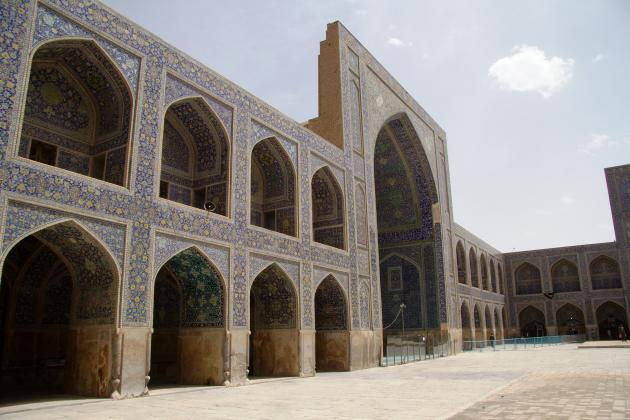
(557,382)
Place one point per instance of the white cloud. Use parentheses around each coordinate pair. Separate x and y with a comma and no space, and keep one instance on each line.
(598,58)
(597,142)
(528,69)
(397,42)
(567,199)
(361,12)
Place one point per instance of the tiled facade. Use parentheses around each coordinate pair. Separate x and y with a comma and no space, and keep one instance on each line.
(348,214)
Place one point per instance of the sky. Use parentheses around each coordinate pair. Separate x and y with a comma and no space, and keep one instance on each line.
(534,96)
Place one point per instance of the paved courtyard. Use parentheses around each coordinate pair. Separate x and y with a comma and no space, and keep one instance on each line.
(552,382)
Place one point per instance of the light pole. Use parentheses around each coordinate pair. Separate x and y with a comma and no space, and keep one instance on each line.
(402,308)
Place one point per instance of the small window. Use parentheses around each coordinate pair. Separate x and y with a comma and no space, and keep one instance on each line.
(43,152)
(163,189)
(98,166)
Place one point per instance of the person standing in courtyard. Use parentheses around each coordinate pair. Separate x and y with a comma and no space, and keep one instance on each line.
(621,332)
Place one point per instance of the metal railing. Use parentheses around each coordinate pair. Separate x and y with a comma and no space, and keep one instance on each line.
(399,349)
(520,343)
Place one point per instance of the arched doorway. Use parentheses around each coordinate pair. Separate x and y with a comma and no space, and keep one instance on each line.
(466,326)
(490,335)
(59,289)
(478,324)
(328,209)
(405,194)
(500,276)
(273,324)
(331,326)
(570,320)
(195,157)
(497,325)
(272,188)
(187,345)
(532,322)
(505,322)
(78,111)
(610,316)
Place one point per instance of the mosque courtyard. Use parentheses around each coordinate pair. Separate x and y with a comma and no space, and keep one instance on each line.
(550,382)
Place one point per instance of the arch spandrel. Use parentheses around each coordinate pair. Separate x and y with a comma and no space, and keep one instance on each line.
(259,262)
(177,89)
(167,246)
(27,219)
(50,26)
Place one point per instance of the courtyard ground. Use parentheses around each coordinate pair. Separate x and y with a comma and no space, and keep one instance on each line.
(553,382)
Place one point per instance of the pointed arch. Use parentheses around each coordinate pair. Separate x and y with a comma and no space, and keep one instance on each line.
(274,324)
(472,262)
(460,255)
(489,328)
(405,195)
(484,272)
(478,322)
(189,313)
(66,290)
(532,322)
(328,209)
(273,174)
(78,111)
(498,324)
(493,277)
(528,279)
(564,276)
(195,157)
(611,317)
(570,320)
(467,334)
(331,326)
(605,273)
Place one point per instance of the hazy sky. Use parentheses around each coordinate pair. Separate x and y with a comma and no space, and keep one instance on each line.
(534,95)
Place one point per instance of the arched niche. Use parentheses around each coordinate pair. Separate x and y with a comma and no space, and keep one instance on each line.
(570,320)
(610,317)
(605,273)
(484,273)
(189,311)
(195,163)
(466,324)
(490,335)
(472,261)
(58,314)
(405,196)
(78,111)
(273,348)
(273,189)
(564,277)
(532,322)
(493,278)
(461,263)
(331,326)
(528,279)
(328,209)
